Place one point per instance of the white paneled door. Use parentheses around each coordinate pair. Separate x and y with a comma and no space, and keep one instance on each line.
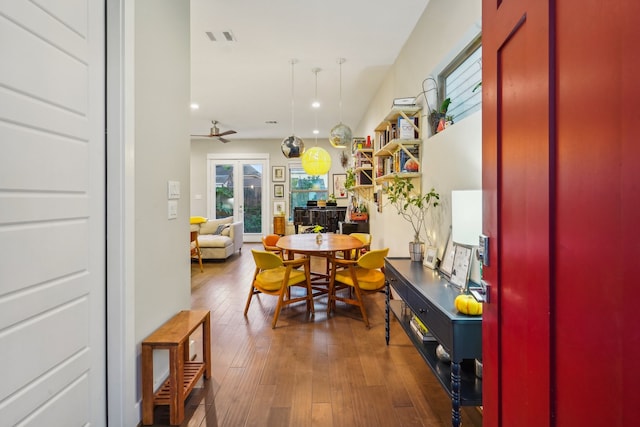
(52,213)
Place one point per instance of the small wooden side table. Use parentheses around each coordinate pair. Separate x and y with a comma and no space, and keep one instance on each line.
(278,225)
(183,373)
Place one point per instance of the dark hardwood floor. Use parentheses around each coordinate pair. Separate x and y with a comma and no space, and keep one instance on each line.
(309,371)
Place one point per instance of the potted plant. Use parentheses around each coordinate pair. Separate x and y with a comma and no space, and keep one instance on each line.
(438,117)
(414,208)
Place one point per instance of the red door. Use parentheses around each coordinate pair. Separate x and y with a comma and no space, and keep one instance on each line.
(561,180)
(516,182)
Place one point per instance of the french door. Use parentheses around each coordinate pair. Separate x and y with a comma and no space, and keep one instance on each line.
(237,187)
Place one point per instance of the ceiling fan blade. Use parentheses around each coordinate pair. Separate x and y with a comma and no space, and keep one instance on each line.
(225,140)
(226,132)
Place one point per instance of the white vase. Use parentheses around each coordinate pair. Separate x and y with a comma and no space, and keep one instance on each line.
(318,238)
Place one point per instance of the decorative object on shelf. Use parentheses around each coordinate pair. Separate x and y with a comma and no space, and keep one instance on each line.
(331,200)
(414,208)
(467,304)
(461,267)
(442,354)
(411,166)
(438,118)
(292,146)
(446,264)
(340,135)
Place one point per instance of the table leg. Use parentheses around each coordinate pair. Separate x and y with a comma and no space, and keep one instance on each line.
(455,394)
(176,385)
(206,345)
(386,311)
(147,385)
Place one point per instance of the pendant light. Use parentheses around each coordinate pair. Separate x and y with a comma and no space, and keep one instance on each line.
(340,135)
(316,160)
(292,146)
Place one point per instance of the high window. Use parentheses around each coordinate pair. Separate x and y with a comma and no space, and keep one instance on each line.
(460,81)
(304,187)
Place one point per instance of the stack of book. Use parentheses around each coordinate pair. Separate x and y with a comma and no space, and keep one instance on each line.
(420,329)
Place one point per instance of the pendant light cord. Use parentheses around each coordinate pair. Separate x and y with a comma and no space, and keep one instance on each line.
(340,61)
(293,62)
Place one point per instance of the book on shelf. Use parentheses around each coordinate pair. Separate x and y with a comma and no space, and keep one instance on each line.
(406,129)
(420,330)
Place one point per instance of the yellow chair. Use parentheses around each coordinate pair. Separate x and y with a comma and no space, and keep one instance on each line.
(365,238)
(364,275)
(195,249)
(269,243)
(273,276)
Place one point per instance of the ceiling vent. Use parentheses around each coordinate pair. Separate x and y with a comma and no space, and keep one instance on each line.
(221,36)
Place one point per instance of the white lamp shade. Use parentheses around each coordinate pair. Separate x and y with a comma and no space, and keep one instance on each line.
(466,216)
(316,161)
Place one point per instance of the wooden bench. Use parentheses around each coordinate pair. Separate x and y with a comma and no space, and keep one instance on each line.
(183,373)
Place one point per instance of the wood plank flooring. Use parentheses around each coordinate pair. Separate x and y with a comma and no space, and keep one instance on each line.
(309,371)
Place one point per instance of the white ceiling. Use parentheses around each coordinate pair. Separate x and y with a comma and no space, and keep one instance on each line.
(246,82)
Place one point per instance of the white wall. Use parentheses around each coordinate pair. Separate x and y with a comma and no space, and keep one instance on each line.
(452,159)
(162,88)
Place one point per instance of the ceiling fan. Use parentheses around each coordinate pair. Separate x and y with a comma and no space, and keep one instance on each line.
(215,132)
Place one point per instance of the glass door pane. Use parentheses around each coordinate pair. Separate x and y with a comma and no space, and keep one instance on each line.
(225,190)
(252,197)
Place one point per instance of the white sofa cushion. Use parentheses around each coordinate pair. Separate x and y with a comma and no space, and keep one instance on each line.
(214,241)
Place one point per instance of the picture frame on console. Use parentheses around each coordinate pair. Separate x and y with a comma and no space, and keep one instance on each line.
(461,266)
(431,257)
(446,264)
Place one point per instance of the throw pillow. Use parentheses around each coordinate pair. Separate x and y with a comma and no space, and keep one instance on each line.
(220,229)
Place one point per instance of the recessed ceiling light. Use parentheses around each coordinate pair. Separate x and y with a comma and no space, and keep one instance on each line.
(194,106)
(316,131)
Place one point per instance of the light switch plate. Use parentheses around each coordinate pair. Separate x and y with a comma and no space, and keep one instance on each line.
(172,209)
(173,190)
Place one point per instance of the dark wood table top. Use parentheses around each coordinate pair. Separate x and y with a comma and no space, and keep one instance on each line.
(306,243)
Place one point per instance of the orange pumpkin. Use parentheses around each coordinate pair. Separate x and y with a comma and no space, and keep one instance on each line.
(467,304)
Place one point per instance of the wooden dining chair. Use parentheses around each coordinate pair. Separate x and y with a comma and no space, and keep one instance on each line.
(195,249)
(274,276)
(269,243)
(364,276)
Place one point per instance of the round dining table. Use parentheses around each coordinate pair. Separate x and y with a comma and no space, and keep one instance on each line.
(308,244)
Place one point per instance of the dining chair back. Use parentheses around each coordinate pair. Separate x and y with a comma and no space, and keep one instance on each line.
(274,276)
(269,243)
(364,275)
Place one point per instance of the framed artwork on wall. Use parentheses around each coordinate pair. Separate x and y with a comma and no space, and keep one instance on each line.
(278,191)
(338,185)
(278,173)
(279,208)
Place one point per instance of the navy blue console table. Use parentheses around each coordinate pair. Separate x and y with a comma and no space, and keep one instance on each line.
(425,293)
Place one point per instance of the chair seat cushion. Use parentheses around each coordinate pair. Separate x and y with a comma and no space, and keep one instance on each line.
(214,241)
(271,279)
(369,280)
